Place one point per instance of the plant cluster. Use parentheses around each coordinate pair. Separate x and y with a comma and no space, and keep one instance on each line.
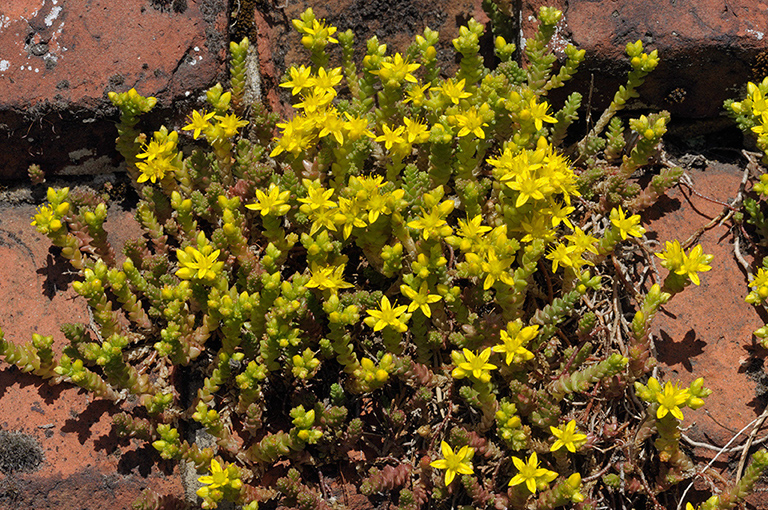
(751,115)
(408,285)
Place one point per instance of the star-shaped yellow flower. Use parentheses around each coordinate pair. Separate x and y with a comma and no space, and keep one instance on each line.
(514,339)
(454,463)
(388,315)
(219,479)
(272,202)
(669,399)
(627,226)
(301,78)
(395,70)
(473,365)
(230,123)
(470,121)
(568,437)
(199,264)
(421,299)
(531,474)
(198,122)
(695,262)
(328,278)
(391,136)
(454,91)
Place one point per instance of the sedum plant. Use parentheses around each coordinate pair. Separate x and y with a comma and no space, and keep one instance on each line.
(405,286)
(751,115)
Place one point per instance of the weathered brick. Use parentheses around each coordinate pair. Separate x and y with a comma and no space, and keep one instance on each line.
(59,58)
(85,465)
(708,48)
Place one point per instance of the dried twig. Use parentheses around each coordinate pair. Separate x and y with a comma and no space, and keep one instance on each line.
(748,444)
(714,459)
(729,207)
(740,258)
(709,446)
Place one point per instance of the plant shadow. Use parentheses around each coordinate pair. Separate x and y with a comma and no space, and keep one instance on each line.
(10,375)
(679,353)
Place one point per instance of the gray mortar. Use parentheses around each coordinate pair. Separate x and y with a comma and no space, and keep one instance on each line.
(253,76)
(189,474)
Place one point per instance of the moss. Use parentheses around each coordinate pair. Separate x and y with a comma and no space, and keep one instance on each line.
(19,452)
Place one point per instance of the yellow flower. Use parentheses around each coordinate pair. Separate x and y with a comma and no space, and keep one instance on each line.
(396,69)
(198,122)
(45,220)
(320,30)
(759,103)
(582,241)
(528,187)
(273,202)
(470,122)
(472,228)
(154,150)
(514,339)
(154,170)
(568,437)
(536,226)
(218,479)
(537,113)
(560,213)
(669,399)
(454,463)
(562,255)
(388,316)
(199,264)
(349,215)
(315,101)
(328,278)
(695,262)
(496,269)
(300,79)
(685,265)
(421,299)
(377,205)
(415,93)
(415,131)
(473,365)
(672,256)
(326,80)
(433,223)
(318,198)
(627,226)
(332,125)
(531,474)
(391,136)
(230,124)
(759,286)
(323,218)
(453,91)
(356,127)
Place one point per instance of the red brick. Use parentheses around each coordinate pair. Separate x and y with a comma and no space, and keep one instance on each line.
(706,331)
(58,59)
(708,48)
(85,465)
